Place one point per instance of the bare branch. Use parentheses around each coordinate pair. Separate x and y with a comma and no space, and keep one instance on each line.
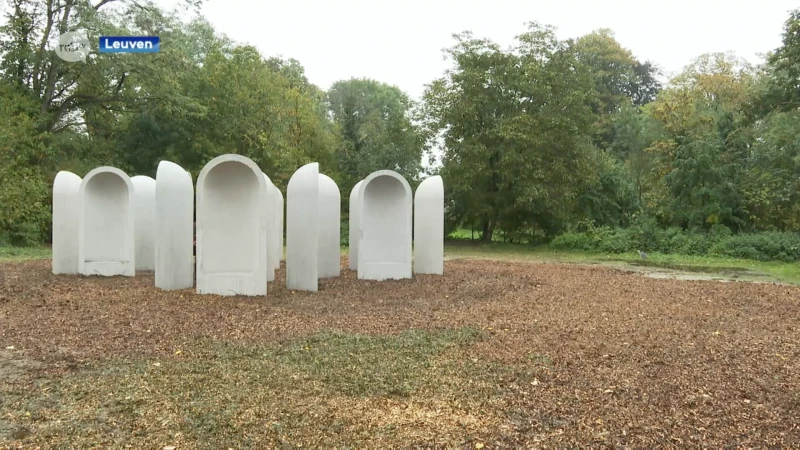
(37,77)
(102,2)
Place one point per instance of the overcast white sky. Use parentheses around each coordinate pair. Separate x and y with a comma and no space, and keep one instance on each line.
(400,41)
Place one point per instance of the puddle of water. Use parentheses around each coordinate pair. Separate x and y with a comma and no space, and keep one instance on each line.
(663,270)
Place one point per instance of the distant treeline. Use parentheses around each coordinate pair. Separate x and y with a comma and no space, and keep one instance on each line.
(547,138)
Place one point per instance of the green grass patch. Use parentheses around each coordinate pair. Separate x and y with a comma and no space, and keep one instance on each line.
(358,365)
(24,253)
(773,270)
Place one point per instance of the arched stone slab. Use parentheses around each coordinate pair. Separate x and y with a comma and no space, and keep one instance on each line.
(231,227)
(329,247)
(272,251)
(144,221)
(353,234)
(302,222)
(106,224)
(429,226)
(384,246)
(279,227)
(174,227)
(66,212)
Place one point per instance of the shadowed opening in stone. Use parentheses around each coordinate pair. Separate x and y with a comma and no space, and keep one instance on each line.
(105,219)
(232,201)
(384,219)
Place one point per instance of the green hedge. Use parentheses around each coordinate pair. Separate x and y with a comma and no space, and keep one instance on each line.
(719,241)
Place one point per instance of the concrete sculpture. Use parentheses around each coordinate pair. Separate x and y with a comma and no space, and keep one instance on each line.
(231,227)
(302,221)
(429,226)
(353,234)
(174,224)
(384,245)
(272,250)
(329,251)
(106,224)
(144,221)
(66,209)
(279,214)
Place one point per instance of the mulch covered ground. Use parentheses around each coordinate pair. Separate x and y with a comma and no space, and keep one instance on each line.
(564,356)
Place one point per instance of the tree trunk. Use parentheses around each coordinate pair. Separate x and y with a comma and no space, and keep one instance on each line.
(488,231)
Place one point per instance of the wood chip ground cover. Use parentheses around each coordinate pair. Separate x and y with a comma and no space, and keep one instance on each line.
(492,355)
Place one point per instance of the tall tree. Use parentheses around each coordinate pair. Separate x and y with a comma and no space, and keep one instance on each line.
(375,126)
(700,159)
(619,79)
(516,127)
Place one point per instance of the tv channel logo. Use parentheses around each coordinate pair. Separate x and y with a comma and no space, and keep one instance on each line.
(129,44)
(73,46)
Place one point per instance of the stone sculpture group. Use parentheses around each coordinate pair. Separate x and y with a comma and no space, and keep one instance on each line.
(111,224)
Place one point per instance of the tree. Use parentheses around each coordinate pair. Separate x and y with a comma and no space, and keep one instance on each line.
(373,120)
(619,79)
(62,88)
(781,88)
(700,158)
(515,126)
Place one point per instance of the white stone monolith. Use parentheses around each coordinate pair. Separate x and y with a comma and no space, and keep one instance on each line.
(384,246)
(272,251)
(144,221)
(429,226)
(232,226)
(106,224)
(329,247)
(279,226)
(352,233)
(174,227)
(302,222)
(66,209)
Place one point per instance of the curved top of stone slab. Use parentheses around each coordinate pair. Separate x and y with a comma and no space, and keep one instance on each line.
(230,158)
(107,169)
(269,181)
(143,180)
(356,189)
(169,173)
(66,179)
(304,178)
(328,187)
(430,187)
(386,173)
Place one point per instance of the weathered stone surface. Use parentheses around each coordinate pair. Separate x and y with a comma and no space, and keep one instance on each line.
(232,224)
(271,247)
(429,226)
(66,212)
(144,221)
(352,232)
(384,246)
(174,227)
(329,248)
(302,222)
(276,252)
(279,215)
(106,224)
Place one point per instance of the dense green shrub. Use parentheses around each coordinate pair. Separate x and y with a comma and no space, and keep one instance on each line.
(766,246)
(574,241)
(25,212)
